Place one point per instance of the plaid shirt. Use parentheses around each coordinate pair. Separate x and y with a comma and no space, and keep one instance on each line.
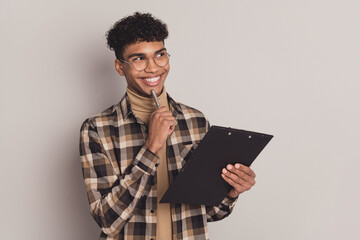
(120,174)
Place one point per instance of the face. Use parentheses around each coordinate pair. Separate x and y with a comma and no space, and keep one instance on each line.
(152,77)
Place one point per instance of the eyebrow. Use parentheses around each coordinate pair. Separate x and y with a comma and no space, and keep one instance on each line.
(143,54)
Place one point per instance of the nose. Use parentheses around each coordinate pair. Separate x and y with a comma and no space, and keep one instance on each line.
(151,67)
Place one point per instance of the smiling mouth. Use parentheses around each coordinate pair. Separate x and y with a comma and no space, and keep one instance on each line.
(152,80)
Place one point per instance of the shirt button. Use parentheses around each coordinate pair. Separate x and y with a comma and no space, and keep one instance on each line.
(152,210)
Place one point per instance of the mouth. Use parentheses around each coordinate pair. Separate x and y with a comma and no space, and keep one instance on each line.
(152,81)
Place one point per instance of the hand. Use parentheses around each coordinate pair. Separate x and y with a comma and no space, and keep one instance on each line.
(240,177)
(161,125)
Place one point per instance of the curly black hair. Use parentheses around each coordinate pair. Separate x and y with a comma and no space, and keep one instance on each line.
(139,27)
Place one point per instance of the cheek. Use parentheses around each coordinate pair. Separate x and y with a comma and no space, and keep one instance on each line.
(167,71)
(131,75)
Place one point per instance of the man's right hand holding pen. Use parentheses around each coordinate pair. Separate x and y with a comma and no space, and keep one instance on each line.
(161,125)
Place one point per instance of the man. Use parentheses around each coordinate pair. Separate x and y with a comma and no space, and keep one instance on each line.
(132,151)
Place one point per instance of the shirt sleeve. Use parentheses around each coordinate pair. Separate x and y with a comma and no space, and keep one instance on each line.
(215,213)
(113,199)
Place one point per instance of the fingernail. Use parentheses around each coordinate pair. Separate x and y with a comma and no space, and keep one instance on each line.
(224,170)
(237,165)
(229,167)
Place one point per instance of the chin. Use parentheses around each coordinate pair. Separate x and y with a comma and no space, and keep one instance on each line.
(158,90)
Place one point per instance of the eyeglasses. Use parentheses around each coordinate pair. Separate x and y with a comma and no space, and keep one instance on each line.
(140,63)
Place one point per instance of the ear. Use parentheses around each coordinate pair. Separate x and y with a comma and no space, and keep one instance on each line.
(119,67)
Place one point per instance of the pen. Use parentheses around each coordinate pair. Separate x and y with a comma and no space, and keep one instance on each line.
(158,104)
(155,98)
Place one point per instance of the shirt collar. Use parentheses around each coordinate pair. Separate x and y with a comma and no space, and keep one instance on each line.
(126,109)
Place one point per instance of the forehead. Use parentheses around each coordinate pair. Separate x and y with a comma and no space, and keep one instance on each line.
(147,48)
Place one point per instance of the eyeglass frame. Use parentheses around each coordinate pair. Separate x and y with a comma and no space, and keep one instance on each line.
(147,62)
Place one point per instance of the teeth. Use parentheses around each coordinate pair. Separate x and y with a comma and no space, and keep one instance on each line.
(152,79)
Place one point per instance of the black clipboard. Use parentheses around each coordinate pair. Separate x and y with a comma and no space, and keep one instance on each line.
(200,181)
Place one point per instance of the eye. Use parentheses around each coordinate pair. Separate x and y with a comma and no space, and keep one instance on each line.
(160,54)
(137,59)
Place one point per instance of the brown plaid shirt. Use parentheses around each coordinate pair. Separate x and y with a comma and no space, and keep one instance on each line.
(120,174)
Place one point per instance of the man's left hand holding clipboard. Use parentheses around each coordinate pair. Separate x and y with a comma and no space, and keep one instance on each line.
(240,177)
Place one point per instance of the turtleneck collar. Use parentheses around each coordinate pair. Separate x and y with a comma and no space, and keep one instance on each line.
(144,104)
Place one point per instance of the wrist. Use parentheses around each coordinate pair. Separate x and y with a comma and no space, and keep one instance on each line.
(233,194)
(153,147)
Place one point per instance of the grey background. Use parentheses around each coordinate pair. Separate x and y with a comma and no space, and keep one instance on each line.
(285,67)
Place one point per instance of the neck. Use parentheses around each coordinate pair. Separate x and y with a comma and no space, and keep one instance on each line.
(146,104)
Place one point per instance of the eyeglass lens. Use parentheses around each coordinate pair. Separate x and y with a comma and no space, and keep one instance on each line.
(160,60)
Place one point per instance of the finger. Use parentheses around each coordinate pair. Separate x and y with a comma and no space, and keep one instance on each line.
(161,114)
(172,127)
(170,121)
(163,120)
(243,182)
(161,109)
(245,169)
(238,188)
(171,130)
(241,174)
(244,186)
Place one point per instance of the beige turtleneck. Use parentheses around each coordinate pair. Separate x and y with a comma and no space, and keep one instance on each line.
(142,108)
